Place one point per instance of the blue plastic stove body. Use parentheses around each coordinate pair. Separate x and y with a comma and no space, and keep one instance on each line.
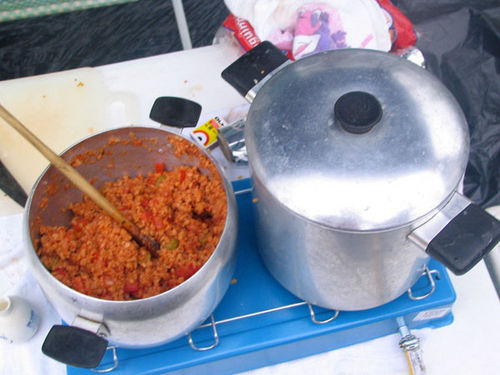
(259,323)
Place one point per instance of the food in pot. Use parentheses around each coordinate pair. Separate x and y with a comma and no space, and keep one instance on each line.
(184,209)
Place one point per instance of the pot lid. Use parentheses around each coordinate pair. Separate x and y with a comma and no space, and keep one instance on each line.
(357,140)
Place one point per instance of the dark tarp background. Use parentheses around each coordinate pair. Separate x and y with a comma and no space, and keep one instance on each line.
(460,41)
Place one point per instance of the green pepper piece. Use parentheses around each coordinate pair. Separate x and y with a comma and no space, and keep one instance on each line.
(160,179)
(172,244)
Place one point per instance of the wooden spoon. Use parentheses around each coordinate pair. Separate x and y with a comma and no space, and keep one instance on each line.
(81,183)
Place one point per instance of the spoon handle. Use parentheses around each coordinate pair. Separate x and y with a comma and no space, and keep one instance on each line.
(79,181)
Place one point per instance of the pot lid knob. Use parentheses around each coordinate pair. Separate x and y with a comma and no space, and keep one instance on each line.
(357,111)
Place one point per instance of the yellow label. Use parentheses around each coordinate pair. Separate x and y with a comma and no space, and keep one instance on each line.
(206,134)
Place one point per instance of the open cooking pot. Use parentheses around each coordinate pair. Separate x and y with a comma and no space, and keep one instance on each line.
(139,323)
(357,157)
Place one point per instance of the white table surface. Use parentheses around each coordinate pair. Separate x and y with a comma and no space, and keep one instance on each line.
(470,345)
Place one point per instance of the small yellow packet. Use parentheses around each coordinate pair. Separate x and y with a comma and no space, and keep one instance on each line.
(206,133)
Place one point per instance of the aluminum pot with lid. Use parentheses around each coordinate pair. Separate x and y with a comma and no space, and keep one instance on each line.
(357,160)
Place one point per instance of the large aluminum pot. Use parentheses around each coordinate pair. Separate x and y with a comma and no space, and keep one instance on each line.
(144,322)
(357,157)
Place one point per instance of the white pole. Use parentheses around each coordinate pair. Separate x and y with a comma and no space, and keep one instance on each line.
(180,18)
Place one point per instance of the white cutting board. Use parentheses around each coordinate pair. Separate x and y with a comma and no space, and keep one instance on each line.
(61,109)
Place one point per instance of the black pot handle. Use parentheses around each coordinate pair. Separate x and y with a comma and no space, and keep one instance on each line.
(461,242)
(176,112)
(466,239)
(74,346)
(253,67)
